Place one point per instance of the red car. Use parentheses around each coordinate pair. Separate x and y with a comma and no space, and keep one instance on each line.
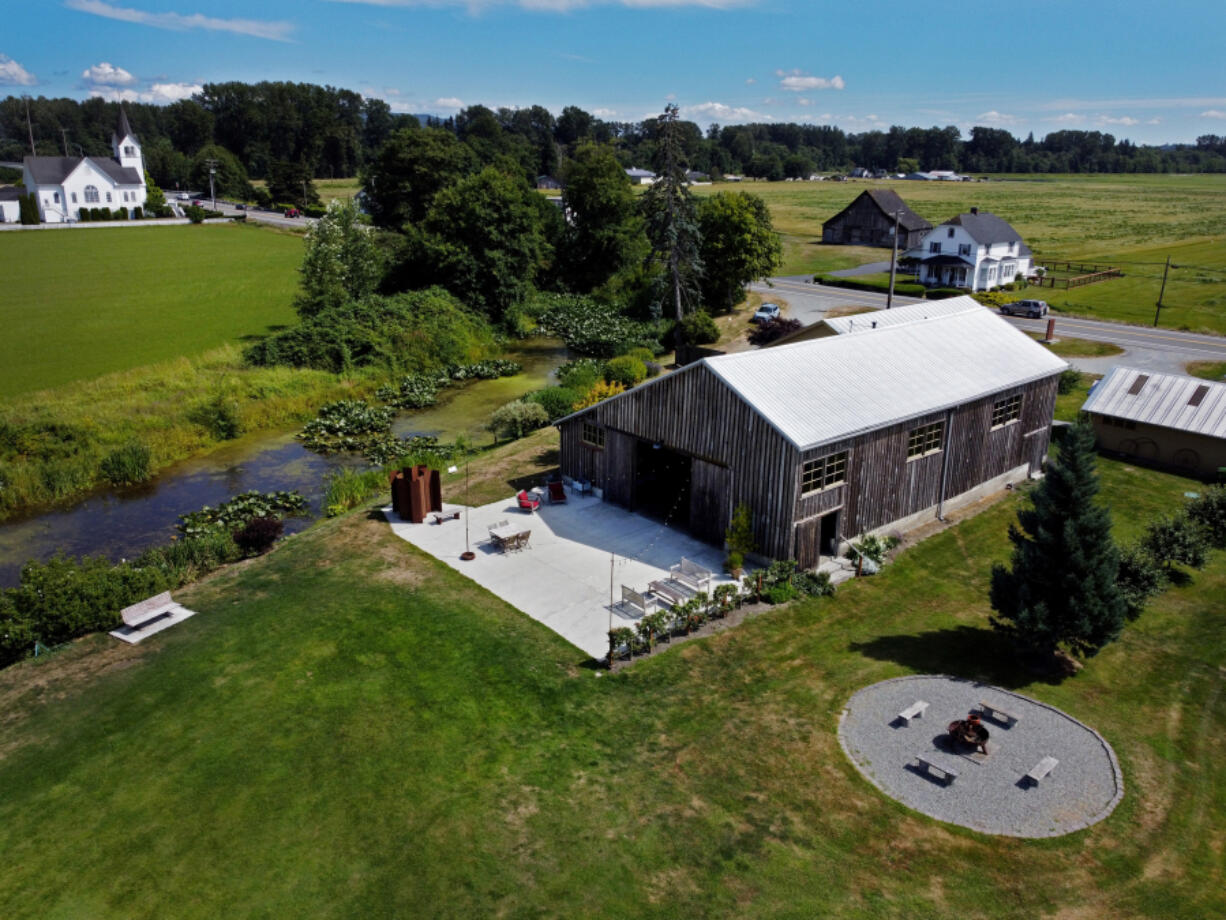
(293,212)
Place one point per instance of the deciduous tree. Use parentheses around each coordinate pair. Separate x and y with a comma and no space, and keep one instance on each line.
(604,235)
(340,263)
(739,245)
(409,170)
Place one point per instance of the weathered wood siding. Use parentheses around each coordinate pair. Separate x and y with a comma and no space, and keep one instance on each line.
(863,223)
(738,457)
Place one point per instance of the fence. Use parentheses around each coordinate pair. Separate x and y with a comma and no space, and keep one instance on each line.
(1091,274)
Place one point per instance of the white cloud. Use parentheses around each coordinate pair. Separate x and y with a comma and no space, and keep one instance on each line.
(1213,113)
(1124,120)
(804,101)
(751,81)
(797,81)
(13,74)
(178,22)
(604,113)
(723,112)
(1154,121)
(1067,118)
(107,74)
(158,93)
(449,102)
(994,117)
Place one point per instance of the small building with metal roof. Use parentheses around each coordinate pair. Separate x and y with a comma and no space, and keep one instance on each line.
(1168,420)
(825,439)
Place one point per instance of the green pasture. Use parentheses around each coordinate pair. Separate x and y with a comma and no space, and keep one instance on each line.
(351,729)
(76,304)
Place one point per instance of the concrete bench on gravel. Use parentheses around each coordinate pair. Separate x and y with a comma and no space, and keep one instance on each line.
(1041,769)
(929,761)
(914,711)
(999,715)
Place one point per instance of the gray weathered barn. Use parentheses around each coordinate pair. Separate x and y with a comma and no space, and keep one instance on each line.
(1169,420)
(869,221)
(825,439)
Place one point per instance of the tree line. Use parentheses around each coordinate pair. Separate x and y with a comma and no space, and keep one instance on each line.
(325,132)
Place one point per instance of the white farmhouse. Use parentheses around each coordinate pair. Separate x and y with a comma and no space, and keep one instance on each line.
(977,251)
(64,185)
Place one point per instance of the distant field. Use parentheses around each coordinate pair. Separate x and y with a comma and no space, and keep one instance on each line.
(76,304)
(1134,221)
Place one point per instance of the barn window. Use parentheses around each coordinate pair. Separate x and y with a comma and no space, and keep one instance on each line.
(1125,423)
(91,194)
(1199,395)
(1138,384)
(1006,411)
(823,473)
(925,439)
(593,435)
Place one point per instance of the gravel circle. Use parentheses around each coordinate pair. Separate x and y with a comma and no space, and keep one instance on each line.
(990,794)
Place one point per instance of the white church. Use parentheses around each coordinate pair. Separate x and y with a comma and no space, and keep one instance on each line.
(65,185)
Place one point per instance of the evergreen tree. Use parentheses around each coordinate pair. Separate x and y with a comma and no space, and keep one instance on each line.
(1062,590)
(672,220)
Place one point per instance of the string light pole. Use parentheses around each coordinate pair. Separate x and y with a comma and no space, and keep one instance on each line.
(468,555)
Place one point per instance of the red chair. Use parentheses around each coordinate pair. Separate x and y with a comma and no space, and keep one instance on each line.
(556,492)
(528,502)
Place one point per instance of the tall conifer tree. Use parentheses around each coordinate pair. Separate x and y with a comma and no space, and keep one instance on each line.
(672,219)
(1061,592)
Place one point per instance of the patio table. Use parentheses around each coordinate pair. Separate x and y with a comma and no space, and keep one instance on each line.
(506,536)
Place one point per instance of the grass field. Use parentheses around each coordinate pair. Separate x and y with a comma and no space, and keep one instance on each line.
(349,728)
(79,303)
(1210,370)
(1079,348)
(1133,221)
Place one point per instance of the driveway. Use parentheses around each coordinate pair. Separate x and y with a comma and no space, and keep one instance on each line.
(580,554)
(809,302)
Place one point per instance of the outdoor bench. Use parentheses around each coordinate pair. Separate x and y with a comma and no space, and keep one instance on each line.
(1041,769)
(691,574)
(997,714)
(671,591)
(148,610)
(949,774)
(636,601)
(914,711)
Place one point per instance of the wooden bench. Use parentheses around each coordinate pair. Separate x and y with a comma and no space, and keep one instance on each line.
(636,601)
(1041,769)
(148,610)
(692,574)
(948,773)
(914,711)
(441,516)
(996,714)
(672,591)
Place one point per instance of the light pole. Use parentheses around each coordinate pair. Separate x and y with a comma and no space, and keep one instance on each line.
(468,555)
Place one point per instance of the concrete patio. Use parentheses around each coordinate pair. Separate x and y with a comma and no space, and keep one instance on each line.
(562,579)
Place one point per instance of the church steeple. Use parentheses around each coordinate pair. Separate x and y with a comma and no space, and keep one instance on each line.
(126,146)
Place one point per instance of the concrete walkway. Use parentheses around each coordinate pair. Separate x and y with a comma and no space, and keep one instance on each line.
(563,578)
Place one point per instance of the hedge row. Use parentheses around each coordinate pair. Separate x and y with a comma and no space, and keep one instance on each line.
(906,289)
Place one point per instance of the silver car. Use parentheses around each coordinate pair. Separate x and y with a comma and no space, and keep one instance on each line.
(1034,309)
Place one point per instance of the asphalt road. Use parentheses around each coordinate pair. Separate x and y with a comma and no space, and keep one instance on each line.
(1160,350)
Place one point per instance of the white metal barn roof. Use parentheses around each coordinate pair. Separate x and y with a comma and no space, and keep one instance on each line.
(1166,400)
(832,388)
(912,313)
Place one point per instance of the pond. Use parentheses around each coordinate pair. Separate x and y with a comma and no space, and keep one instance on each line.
(121,523)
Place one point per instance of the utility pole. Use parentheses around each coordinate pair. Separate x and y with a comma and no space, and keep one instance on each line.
(304,201)
(889,298)
(1158,308)
(212,165)
(64,133)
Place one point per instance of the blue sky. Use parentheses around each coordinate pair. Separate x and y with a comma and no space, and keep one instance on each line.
(1152,72)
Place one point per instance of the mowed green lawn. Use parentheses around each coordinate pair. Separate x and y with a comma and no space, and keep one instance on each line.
(351,729)
(76,304)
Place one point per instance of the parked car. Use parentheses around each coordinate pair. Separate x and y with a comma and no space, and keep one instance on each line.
(1031,308)
(183,196)
(292,212)
(240,207)
(765,313)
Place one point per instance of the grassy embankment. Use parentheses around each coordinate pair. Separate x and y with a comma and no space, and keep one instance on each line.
(350,728)
(1079,348)
(1133,221)
(1210,370)
(160,314)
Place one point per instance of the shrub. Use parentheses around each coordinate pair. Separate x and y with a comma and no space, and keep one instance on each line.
(779,593)
(219,416)
(138,213)
(871,547)
(258,535)
(27,209)
(518,418)
(1140,577)
(1069,381)
(194,213)
(346,425)
(348,488)
(416,391)
(119,214)
(580,374)
(766,332)
(626,370)
(813,584)
(1209,513)
(589,326)
(556,401)
(696,329)
(905,289)
(739,535)
(599,392)
(734,563)
(83,215)
(126,465)
(1175,539)
(653,369)
(939,293)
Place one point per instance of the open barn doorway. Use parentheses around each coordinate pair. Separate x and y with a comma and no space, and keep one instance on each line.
(662,483)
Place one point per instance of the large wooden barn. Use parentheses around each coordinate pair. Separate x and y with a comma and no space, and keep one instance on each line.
(869,221)
(826,439)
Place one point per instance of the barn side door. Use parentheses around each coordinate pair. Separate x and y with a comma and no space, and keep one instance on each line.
(710,501)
